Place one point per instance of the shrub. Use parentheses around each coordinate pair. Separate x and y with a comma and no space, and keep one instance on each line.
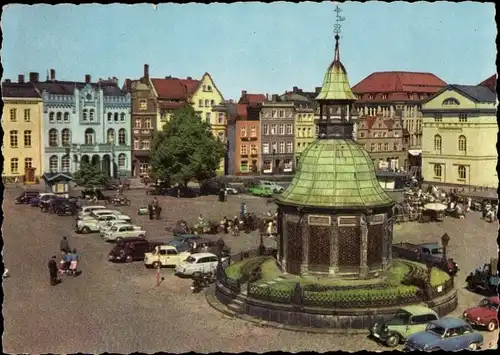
(241,270)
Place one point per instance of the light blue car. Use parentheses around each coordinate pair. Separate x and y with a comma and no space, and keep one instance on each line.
(448,334)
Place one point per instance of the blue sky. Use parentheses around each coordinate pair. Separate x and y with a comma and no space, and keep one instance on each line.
(261,48)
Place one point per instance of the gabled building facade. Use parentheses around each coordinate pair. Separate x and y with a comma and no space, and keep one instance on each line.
(460,131)
(85,122)
(22,123)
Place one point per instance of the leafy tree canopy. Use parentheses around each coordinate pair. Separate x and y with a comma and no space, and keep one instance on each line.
(185,149)
(90,176)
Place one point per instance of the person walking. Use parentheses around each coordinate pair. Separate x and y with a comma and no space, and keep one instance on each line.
(52,265)
(150,210)
(73,262)
(157,210)
(64,245)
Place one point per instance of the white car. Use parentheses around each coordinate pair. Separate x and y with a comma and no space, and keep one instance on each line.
(274,187)
(110,224)
(199,262)
(120,232)
(167,256)
(231,191)
(87,209)
(88,224)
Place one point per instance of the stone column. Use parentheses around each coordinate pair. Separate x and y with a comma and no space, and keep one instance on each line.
(392,111)
(304,266)
(334,248)
(363,269)
(365,110)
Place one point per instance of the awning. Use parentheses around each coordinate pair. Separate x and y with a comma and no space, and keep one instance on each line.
(415,152)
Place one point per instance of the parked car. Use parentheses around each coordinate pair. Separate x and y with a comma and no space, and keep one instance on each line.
(274,187)
(231,190)
(90,225)
(50,205)
(425,252)
(181,241)
(109,224)
(484,279)
(485,314)
(167,256)
(132,249)
(42,196)
(407,320)
(66,207)
(210,187)
(124,231)
(260,191)
(199,262)
(88,209)
(26,196)
(448,334)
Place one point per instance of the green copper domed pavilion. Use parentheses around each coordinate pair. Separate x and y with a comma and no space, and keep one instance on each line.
(335,218)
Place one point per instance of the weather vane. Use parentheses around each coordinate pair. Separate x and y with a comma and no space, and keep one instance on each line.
(338,26)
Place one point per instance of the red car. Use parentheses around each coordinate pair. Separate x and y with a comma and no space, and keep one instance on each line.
(485,314)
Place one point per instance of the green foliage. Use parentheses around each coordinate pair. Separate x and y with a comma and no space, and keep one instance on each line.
(185,149)
(243,269)
(90,176)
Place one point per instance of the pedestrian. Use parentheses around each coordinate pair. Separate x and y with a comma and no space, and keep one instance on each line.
(150,210)
(226,224)
(73,262)
(52,265)
(64,245)
(67,261)
(158,211)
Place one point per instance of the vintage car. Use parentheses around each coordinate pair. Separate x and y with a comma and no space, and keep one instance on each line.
(110,224)
(260,190)
(120,232)
(407,320)
(199,262)
(63,208)
(26,196)
(97,213)
(131,249)
(274,187)
(448,334)
(87,209)
(231,190)
(485,314)
(89,225)
(166,255)
(42,196)
(484,279)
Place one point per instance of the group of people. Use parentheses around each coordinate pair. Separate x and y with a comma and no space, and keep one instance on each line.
(154,209)
(67,265)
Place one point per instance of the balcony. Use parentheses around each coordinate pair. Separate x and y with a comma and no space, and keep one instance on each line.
(142,153)
(253,138)
(245,138)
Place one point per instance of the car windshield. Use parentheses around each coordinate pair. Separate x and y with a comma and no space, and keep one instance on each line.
(436,329)
(436,251)
(191,260)
(401,317)
(488,304)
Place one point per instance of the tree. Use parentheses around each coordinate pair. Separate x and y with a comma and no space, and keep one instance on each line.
(185,149)
(90,175)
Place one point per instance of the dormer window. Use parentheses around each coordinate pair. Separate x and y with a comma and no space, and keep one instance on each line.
(451,102)
(384,96)
(371,96)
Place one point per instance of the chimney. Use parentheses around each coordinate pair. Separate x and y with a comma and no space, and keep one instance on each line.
(275,97)
(52,75)
(146,71)
(33,77)
(189,78)
(88,78)
(295,89)
(267,97)
(7,81)
(20,79)
(318,89)
(243,92)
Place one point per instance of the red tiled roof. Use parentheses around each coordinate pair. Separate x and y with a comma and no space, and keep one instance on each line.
(255,98)
(175,88)
(387,82)
(241,110)
(490,83)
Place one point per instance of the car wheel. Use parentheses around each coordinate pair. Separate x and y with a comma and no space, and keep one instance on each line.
(142,236)
(129,259)
(119,239)
(393,341)
(472,347)
(492,325)
(276,191)
(156,265)
(85,230)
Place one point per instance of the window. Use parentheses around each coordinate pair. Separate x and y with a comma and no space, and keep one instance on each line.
(265,148)
(274,114)
(253,131)
(281,129)
(122,117)
(437,170)
(143,168)
(145,144)
(212,102)
(451,102)
(59,117)
(462,172)
(362,134)
(221,137)
(309,132)
(462,117)
(244,166)
(253,149)
(27,139)
(65,163)
(53,139)
(243,132)
(137,123)
(273,129)
(243,149)
(282,113)
(386,147)
(282,147)
(438,117)
(209,88)
(27,115)
(65,137)
(54,163)
(274,148)
(115,116)
(462,144)
(122,160)
(371,97)
(395,147)
(289,147)
(51,117)
(147,123)
(110,117)
(89,136)
(66,116)
(206,103)
(437,142)
(143,105)
(200,103)
(136,143)
(384,97)
(14,166)
(266,166)
(13,114)
(85,115)
(287,165)
(266,129)
(28,163)
(379,147)
(122,137)
(289,129)
(204,88)
(111,136)
(207,116)
(220,118)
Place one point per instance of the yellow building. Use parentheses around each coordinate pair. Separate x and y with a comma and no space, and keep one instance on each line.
(459,136)
(22,123)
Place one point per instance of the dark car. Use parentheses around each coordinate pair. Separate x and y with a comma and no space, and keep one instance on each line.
(210,187)
(65,207)
(26,196)
(182,241)
(132,249)
(46,201)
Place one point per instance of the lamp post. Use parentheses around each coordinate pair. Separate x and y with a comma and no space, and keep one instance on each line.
(445,239)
